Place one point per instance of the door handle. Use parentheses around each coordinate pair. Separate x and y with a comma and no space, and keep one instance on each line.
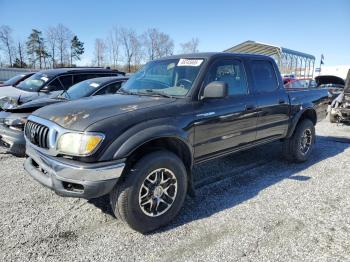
(281,101)
(249,107)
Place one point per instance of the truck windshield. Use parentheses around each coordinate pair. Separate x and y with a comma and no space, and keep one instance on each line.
(170,77)
(34,83)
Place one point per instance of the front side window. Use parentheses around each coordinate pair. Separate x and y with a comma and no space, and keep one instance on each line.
(109,89)
(34,83)
(55,85)
(172,77)
(264,76)
(231,72)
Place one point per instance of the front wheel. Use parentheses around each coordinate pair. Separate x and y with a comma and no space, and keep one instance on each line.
(151,193)
(299,147)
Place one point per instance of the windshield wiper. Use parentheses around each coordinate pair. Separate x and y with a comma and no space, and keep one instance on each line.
(125,92)
(160,93)
(61,96)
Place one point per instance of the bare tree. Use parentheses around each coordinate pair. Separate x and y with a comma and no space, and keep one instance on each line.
(51,39)
(64,36)
(158,44)
(20,52)
(137,50)
(127,37)
(100,49)
(190,46)
(166,45)
(7,42)
(113,46)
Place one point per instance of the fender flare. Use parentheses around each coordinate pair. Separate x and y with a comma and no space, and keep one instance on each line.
(125,145)
(296,118)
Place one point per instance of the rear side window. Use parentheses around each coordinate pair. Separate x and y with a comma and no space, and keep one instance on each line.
(82,77)
(264,76)
(67,81)
(230,72)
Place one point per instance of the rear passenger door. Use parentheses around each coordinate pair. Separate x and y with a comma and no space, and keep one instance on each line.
(226,123)
(272,100)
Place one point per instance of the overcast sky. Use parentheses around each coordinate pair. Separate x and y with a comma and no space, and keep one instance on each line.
(313,27)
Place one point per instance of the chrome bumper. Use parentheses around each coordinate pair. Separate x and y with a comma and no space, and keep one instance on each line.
(72,178)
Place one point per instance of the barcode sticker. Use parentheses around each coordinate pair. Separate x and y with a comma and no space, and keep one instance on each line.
(190,62)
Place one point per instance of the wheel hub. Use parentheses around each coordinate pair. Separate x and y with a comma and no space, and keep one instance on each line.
(158,192)
(306,141)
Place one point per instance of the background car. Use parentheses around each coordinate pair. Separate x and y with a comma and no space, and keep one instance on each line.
(50,82)
(334,84)
(13,118)
(17,79)
(300,83)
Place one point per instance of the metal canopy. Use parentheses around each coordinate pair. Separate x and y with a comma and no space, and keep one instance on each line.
(290,62)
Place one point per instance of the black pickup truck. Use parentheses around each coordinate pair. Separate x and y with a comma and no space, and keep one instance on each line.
(139,146)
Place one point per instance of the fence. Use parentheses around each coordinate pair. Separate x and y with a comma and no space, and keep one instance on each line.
(7,73)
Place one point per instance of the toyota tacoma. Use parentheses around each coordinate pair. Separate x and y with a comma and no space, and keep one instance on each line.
(140,145)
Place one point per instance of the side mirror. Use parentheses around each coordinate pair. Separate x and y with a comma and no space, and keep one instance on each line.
(215,89)
(45,89)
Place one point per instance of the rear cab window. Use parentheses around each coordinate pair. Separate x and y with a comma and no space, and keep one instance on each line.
(264,76)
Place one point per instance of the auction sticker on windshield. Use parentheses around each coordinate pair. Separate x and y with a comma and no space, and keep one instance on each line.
(190,62)
(94,85)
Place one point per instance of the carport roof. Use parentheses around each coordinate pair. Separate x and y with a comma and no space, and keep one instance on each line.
(265,49)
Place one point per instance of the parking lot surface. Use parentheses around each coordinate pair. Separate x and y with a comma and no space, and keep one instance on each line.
(250,206)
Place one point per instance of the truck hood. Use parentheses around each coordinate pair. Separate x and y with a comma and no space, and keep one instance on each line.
(80,114)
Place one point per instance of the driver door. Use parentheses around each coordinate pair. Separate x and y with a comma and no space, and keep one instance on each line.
(226,123)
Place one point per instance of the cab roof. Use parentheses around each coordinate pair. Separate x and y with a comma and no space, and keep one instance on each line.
(208,55)
(58,71)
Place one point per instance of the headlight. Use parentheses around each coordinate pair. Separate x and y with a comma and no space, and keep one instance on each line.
(79,144)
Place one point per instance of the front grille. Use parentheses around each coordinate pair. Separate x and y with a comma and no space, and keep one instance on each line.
(37,134)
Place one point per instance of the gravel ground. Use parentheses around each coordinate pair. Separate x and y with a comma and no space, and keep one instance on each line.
(249,206)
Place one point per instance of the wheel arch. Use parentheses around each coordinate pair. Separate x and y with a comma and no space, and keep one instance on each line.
(306,113)
(158,138)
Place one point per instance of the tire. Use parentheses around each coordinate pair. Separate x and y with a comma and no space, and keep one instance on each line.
(126,195)
(332,118)
(292,147)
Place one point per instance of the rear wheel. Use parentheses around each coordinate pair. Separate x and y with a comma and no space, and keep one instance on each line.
(151,193)
(299,147)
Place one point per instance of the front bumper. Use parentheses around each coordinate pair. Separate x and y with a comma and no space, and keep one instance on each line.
(71,178)
(12,140)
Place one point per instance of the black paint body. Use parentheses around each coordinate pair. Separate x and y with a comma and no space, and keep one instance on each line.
(208,127)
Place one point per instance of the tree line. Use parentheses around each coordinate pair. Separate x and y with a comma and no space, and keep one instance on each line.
(123,48)
(57,46)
